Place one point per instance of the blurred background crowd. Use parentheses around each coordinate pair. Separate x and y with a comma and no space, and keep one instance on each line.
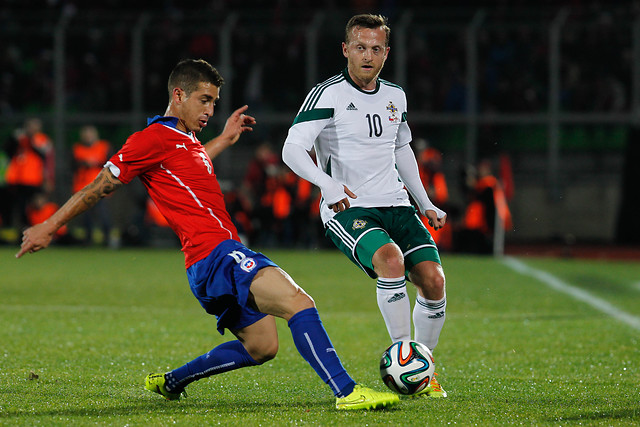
(523,114)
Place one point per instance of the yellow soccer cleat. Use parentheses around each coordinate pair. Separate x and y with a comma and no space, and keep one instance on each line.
(156,382)
(365,398)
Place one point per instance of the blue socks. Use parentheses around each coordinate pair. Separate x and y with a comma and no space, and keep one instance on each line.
(310,339)
(225,357)
(314,345)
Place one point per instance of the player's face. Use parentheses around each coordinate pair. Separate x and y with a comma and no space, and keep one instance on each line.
(196,109)
(366,53)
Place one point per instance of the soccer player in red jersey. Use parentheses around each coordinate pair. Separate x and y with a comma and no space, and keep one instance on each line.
(242,288)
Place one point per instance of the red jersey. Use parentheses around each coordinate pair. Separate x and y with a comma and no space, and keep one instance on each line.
(178,174)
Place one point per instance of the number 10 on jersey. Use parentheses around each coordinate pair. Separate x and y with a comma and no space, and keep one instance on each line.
(375,125)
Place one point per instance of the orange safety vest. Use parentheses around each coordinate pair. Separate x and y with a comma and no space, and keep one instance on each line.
(36,216)
(91,159)
(281,203)
(475,215)
(304,189)
(436,180)
(506,176)
(27,166)
(439,184)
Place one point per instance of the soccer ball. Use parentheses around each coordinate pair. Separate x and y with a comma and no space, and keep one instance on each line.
(407,367)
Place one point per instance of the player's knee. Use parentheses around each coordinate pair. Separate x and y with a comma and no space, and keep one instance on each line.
(430,280)
(264,351)
(295,303)
(303,301)
(437,282)
(388,261)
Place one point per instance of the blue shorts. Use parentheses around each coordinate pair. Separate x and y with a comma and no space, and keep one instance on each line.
(221,283)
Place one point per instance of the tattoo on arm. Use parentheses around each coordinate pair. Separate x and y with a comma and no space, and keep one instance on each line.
(104,184)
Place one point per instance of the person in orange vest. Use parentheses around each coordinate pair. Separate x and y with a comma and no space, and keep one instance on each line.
(5,206)
(31,168)
(487,200)
(239,207)
(89,156)
(259,185)
(305,214)
(282,207)
(40,209)
(434,181)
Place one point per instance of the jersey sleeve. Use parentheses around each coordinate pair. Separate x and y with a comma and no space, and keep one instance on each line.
(404,132)
(316,112)
(141,152)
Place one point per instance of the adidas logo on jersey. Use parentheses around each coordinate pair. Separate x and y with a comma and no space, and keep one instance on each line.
(351,107)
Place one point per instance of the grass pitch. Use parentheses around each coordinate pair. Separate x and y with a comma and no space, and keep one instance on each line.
(81,328)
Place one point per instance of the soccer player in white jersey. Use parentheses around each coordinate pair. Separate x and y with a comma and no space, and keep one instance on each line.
(357,124)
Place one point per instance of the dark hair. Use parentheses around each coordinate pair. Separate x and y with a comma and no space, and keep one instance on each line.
(189,73)
(367,20)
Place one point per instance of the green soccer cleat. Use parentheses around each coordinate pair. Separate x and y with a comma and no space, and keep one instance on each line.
(433,390)
(365,398)
(155,383)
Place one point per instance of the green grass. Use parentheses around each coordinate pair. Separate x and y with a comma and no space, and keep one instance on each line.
(90,324)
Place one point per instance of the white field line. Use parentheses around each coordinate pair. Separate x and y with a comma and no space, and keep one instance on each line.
(579,294)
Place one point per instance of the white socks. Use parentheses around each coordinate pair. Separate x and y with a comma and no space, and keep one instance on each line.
(428,315)
(395,307)
(428,319)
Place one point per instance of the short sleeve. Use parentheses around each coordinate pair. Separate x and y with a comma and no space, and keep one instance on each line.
(142,151)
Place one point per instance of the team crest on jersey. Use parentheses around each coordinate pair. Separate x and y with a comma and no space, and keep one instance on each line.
(359,224)
(248,264)
(393,118)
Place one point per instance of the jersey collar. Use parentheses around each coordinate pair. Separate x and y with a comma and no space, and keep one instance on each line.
(346,75)
(165,120)
(169,121)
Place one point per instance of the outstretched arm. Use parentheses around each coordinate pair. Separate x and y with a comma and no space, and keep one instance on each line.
(236,125)
(39,236)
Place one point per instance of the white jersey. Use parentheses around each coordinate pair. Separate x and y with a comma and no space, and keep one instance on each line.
(355,134)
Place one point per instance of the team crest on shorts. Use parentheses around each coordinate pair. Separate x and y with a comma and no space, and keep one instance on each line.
(248,264)
(359,224)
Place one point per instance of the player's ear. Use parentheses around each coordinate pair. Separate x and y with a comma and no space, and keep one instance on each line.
(178,95)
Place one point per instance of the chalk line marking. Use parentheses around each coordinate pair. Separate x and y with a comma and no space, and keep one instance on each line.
(579,294)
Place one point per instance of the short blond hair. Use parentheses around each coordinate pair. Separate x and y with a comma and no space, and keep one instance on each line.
(367,20)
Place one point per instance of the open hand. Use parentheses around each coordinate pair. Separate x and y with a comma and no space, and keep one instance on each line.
(237,124)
